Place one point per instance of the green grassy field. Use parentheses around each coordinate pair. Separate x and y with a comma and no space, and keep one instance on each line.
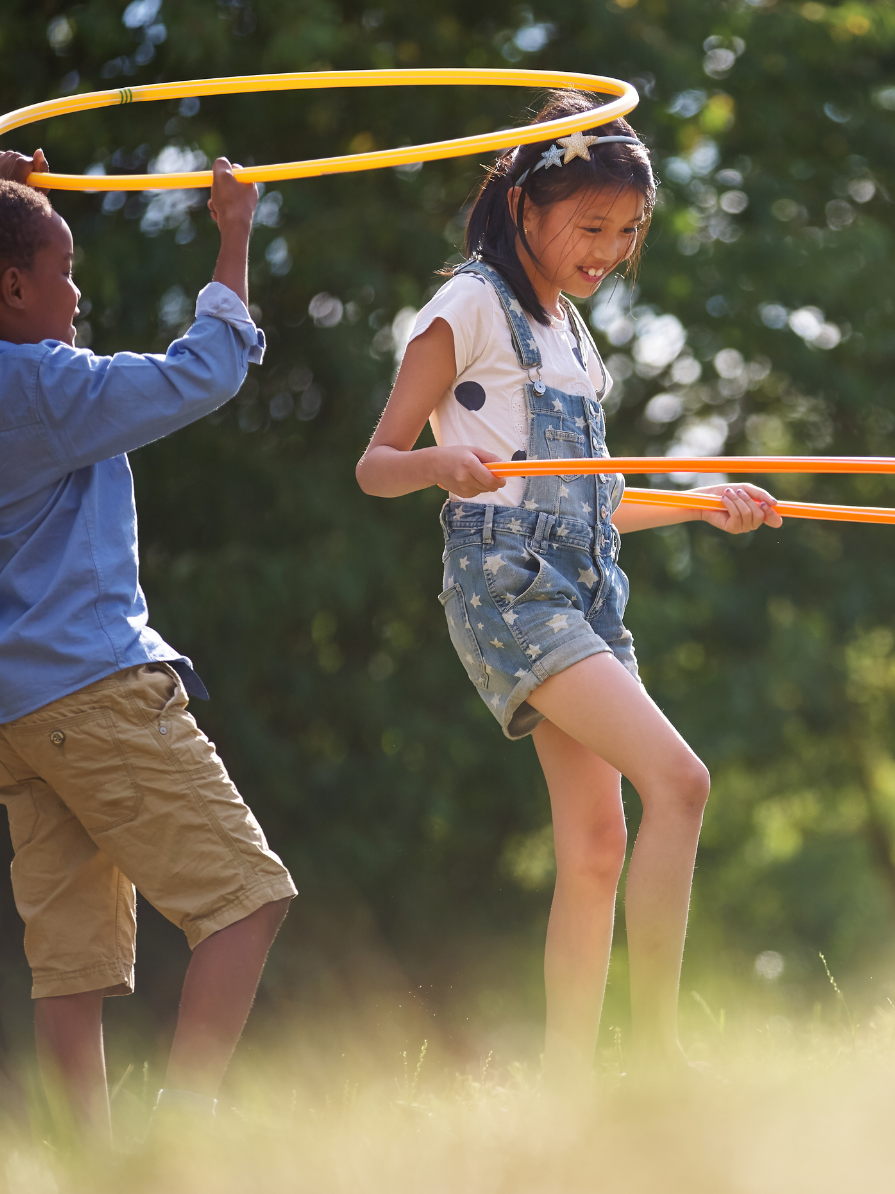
(784,1105)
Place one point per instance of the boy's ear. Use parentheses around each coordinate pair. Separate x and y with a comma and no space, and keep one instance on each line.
(11,290)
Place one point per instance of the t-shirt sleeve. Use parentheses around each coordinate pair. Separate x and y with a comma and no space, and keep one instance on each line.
(465,304)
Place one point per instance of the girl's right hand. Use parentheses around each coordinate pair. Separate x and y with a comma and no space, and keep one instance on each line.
(462,471)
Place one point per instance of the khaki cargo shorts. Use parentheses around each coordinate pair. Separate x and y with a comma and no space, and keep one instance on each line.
(112,787)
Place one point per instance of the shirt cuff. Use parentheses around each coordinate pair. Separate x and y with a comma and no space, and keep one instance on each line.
(220,301)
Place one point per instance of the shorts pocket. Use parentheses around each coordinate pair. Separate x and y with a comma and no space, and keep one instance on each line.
(563,445)
(22,813)
(162,700)
(521,577)
(462,637)
(82,759)
(624,590)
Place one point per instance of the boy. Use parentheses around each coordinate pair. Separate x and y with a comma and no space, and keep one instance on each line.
(106,778)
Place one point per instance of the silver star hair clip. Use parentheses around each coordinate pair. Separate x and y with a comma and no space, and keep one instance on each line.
(575,146)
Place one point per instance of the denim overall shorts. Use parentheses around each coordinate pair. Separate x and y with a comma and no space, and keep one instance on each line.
(530,590)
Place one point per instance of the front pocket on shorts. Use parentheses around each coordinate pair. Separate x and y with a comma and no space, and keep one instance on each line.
(162,700)
(82,759)
(462,637)
(521,577)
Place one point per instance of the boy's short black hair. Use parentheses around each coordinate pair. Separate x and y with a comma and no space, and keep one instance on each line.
(23,224)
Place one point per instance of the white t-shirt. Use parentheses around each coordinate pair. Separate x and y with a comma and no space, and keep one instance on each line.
(485,406)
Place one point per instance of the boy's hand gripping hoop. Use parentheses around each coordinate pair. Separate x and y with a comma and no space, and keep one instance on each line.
(627,99)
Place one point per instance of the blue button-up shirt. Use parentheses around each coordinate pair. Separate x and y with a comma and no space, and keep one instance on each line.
(71,607)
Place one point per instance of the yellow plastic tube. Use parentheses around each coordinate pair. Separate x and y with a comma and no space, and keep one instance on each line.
(626,100)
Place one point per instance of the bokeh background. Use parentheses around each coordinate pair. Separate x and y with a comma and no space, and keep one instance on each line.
(762,321)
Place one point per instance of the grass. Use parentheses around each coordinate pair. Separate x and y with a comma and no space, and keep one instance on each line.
(793,1106)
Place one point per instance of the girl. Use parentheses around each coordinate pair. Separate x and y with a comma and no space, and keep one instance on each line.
(533,593)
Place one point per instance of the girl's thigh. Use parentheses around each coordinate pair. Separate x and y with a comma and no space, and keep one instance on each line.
(585,799)
(602,707)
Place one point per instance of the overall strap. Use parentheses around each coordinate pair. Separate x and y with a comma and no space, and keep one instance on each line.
(585,341)
(526,347)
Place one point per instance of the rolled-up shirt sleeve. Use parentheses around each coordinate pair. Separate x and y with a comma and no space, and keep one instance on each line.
(93,408)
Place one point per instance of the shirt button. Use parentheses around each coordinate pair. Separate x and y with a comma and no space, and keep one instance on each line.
(57,737)
(604,511)
(163,729)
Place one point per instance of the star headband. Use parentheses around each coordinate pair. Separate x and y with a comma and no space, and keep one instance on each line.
(575,146)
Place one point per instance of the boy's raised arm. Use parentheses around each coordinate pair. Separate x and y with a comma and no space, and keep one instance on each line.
(231,205)
(97,407)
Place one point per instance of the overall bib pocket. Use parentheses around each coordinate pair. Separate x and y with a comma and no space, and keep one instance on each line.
(564,445)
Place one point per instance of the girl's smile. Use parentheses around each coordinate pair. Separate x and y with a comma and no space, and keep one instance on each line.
(591,275)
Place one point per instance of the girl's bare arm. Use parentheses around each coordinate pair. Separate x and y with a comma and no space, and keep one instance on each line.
(389,467)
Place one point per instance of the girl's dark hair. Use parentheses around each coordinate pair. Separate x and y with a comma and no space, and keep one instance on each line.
(491,230)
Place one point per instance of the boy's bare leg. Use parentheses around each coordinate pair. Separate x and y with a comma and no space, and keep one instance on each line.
(218,992)
(68,1031)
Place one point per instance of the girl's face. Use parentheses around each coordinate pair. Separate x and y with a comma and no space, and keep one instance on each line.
(576,242)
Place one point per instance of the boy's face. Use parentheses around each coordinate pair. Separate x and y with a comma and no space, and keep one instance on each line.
(41,302)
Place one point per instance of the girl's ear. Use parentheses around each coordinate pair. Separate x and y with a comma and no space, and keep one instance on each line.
(514,196)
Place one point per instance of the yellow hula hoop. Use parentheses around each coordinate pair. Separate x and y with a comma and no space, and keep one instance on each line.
(627,99)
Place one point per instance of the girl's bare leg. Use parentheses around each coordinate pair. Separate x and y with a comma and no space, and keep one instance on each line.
(601,706)
(589,837)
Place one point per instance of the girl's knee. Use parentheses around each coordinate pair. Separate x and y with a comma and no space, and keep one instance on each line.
(691,785)
(594,860)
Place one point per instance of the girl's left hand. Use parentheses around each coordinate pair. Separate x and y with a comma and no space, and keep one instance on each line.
(748,506)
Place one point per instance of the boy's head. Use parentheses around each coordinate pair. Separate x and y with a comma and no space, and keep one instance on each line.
(38,299)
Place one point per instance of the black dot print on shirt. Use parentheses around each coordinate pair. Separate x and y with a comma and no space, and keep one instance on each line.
(470,394)
(520,455)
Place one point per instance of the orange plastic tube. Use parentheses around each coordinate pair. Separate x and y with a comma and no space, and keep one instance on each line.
(704,501)
(695,464)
